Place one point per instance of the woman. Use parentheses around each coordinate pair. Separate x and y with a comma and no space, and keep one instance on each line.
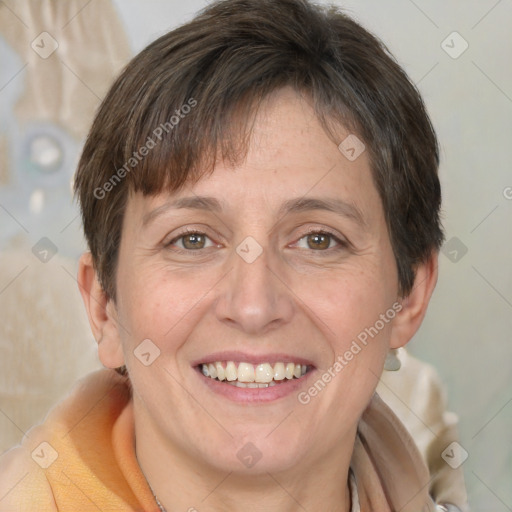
(260,197)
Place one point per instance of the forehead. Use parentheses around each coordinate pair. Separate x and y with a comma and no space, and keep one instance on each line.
(289,157)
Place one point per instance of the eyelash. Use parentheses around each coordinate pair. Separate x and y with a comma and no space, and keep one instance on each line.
(342,244)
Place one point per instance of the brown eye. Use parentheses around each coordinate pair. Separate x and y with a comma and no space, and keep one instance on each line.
(319,240)
(190,241)
(193,241)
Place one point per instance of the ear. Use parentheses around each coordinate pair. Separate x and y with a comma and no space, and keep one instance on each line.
(102,314)
(414,306)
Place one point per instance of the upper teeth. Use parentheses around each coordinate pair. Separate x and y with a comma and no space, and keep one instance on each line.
(247,372)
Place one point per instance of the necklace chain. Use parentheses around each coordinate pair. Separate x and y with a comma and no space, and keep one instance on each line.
(160,506)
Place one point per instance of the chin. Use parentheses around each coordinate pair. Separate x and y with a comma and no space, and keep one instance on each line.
(258,454)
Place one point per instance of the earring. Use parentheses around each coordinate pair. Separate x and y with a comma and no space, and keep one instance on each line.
(393,362)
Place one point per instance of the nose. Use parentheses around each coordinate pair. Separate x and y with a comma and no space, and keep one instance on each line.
(254,297)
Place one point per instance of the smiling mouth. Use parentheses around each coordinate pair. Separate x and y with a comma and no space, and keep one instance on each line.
(247,375)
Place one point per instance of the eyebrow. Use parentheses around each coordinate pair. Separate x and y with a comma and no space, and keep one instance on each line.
(295,205)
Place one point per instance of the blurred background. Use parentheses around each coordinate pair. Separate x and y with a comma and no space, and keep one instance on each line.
(57,60)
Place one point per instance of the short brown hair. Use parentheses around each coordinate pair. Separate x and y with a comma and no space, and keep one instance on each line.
(221,65)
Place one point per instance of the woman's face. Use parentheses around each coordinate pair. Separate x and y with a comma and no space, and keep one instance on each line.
(260,280)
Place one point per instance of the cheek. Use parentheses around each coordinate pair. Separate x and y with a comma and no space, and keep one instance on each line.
(161,304)
(350,318)
(348,304)
(356,317)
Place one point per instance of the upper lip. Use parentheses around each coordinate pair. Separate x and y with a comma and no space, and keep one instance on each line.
(244,357)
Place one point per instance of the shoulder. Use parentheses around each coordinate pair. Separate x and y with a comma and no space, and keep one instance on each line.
(31,473)
(23,484)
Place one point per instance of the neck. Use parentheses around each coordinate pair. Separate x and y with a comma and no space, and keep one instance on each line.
(230,493)
(189,484)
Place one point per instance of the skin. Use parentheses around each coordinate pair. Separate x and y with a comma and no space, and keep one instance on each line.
(300,296)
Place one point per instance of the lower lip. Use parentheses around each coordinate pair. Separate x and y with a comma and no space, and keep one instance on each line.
(255,395)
